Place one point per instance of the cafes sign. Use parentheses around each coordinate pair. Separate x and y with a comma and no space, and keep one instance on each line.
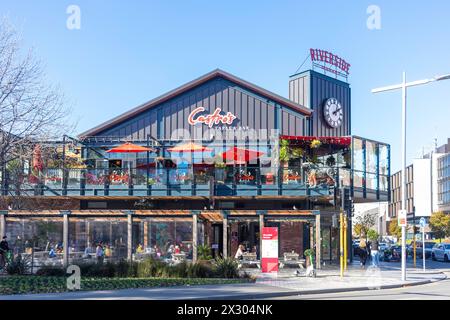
(217,117)
(330,60)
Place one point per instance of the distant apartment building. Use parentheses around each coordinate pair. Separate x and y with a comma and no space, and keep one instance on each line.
(380,210)
(428,185)
(396,192)
(443,178)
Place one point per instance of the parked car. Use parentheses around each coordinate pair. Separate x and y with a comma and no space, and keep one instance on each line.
(391,254)
(383,246)
(419,251)
(441,251)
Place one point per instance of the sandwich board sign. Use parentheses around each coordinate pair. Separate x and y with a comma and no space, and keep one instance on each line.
(269,252)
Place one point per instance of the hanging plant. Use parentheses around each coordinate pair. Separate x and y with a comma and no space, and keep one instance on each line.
(284,151)
(219,165)
(315,144)
(298,152)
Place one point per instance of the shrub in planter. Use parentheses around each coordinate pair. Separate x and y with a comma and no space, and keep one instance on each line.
(201,269)
(19,266)
(101,270)
(176,271)
(226,268)
(151,268)
(125,269)
(51,271)
(204,252)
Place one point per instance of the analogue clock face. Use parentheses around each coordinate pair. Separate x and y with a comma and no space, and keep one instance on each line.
(333,113)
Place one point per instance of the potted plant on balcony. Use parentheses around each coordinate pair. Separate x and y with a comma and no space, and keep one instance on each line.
(219,167)
(284,156)
(315,144)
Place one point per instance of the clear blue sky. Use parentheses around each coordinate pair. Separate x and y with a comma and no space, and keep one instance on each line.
(128,52)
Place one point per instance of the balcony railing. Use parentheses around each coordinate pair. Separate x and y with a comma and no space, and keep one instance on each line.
(202,181)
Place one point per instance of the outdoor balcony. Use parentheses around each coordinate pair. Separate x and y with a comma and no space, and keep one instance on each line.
(313,167)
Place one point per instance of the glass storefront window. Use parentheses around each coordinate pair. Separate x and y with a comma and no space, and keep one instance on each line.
(358,155)
(40,234)
(161,238)
(371,157)
(86,234)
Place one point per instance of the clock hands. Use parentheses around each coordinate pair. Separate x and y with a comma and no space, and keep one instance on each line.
(337,110)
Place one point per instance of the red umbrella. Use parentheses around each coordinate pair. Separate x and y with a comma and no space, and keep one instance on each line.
(189,147)
(240,156)
(129,148)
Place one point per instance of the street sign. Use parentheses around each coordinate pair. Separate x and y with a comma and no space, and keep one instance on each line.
(402,218)
(423,222)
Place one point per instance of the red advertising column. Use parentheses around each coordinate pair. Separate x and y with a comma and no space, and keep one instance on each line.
(269,252)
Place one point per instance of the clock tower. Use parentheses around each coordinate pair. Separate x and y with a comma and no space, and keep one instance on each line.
(328,97)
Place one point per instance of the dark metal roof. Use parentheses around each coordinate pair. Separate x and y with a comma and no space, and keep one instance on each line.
(190,85)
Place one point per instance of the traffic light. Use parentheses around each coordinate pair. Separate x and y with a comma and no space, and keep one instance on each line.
(346,200)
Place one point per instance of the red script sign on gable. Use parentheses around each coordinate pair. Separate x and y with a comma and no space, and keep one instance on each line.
(210,120)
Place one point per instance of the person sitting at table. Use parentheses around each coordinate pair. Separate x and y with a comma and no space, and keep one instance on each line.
(240,252)
(140,249)
(88,251)
(177,250)
(52,253)
(59,247)
(170,251)
(108,251)
(189,251)
(157,251)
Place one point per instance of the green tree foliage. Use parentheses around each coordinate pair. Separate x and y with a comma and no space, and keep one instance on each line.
(440,224)
(365,222)
(372,235)
(394,229)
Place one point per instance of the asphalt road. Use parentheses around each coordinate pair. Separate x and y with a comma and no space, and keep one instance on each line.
(435,291)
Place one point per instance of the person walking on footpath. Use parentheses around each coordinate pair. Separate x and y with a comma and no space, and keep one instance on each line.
(374,250)
(363,253)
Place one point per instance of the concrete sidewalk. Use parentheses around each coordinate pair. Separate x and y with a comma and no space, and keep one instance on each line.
(284,284)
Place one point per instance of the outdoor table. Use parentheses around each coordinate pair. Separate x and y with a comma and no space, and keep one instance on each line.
(292,259)
(178,257)
(249,259)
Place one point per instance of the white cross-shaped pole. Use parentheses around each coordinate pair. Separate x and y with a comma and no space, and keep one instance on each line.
(404,86)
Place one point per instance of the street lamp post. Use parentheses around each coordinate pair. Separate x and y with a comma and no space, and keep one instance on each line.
(404,86)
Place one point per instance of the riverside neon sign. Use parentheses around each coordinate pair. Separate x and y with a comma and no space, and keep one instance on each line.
(196,117)
(318,55)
